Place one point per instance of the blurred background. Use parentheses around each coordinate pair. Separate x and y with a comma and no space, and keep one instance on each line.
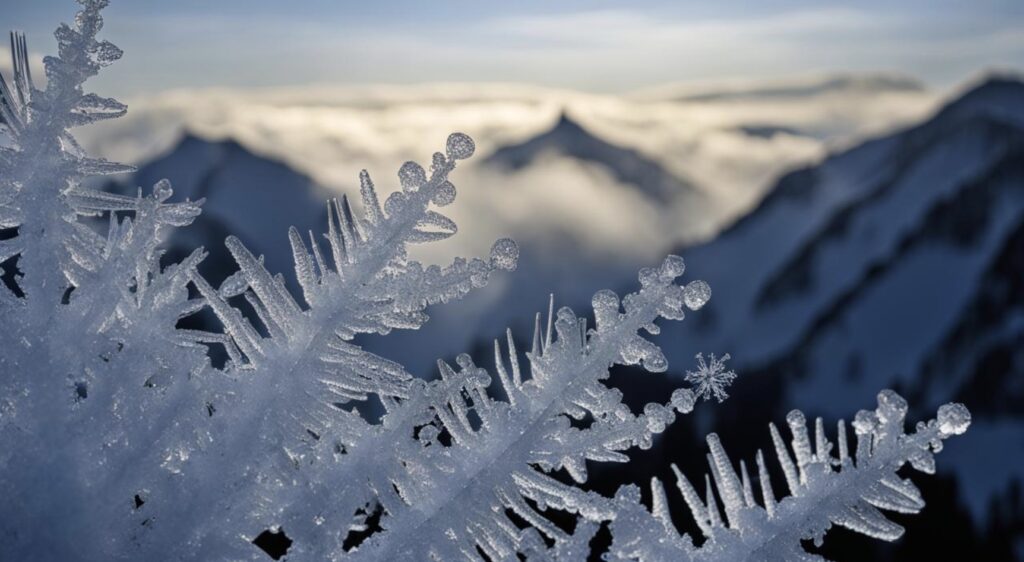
(848,177)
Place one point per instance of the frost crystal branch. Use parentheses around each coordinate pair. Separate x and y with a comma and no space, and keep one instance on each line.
(826,488)
(121,439)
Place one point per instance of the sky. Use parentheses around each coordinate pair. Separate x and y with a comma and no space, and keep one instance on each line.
(597,46)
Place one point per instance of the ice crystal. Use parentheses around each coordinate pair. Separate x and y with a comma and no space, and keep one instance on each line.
(711,378)
(121,439)
(828,486)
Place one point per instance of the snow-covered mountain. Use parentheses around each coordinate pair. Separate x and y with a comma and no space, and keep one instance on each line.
(568,138)
(251,196)
(815,233)
(896,263)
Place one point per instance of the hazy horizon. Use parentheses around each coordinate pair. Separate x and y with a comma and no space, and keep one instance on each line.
(592,46)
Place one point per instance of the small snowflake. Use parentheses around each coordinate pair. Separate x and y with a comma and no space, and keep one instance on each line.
(711,378)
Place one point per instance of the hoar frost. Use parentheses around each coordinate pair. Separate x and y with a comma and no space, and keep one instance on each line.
(121,440)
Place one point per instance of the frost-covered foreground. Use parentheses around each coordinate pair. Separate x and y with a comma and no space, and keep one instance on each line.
(121,439)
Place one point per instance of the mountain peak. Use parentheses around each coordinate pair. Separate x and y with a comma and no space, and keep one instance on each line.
(999,94)
(252,196)
(567,123)
(999,80)
(191,140)
(568,138)
(997,84)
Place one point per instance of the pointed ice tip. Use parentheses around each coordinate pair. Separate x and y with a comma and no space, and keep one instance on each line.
(673,267)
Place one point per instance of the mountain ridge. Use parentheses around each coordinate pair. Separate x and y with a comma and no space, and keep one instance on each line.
(567,137)
(245,193)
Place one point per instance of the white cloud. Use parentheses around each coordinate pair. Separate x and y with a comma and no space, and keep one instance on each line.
(35,62)
(333,132)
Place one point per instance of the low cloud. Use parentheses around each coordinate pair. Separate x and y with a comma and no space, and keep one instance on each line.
(331,133)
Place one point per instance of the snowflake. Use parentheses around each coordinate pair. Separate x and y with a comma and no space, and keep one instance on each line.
(711,378)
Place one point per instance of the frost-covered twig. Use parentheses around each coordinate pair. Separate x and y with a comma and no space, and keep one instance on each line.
(42,174)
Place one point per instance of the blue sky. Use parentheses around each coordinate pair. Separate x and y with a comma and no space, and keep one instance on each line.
(594,45)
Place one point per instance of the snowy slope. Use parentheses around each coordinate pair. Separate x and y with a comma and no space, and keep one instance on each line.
(893,264)
(820,229)
(889,319)
(893,326)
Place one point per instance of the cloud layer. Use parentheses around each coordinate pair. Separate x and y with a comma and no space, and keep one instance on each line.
(730,148)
